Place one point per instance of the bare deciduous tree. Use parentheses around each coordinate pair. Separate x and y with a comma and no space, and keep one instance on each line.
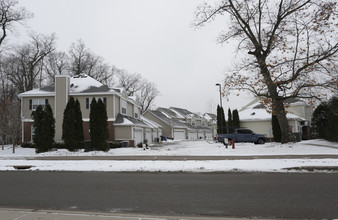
(147,95)
(135,85)
(83,61)
(9,15)
(130,82)
(56,63)
(79,56)
(10,121)
(291,49)
(24,66)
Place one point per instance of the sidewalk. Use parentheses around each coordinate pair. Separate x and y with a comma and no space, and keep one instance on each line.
(30,214)
(184,158)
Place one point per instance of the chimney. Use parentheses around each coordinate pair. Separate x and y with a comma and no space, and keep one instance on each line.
(61,98)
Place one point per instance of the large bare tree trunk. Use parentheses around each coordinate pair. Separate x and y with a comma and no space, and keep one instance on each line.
(282,120)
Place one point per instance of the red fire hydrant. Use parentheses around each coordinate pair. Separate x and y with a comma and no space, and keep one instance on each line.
(233,143)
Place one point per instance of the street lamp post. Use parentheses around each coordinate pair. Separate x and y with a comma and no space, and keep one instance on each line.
(220,93)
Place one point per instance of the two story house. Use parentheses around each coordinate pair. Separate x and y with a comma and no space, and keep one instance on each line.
(124,122)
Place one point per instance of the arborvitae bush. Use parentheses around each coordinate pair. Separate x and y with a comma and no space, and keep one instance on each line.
(277,133)
(98,124)
(79,137)
(219,120)
(44,129)
(49,123)
(68,125)
(230,122)
(221,123)
(235,119)
(38,129)
(93,124)
(224,124)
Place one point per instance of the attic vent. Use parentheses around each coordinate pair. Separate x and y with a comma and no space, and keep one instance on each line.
(80,76)
(71,85)
(253,113)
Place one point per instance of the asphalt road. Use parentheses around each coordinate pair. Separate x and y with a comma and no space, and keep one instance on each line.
(268,195)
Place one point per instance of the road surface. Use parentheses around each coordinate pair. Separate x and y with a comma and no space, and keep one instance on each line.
(268,195)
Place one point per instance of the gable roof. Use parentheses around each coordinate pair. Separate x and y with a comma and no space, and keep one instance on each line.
(259,114)
(167,120)
(128,121)
(185,113)
(149,122)
(78,84)
(210,116)
(85,83)
(169,113)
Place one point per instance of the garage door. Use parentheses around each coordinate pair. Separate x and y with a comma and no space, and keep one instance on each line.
(192,135)
(138,136)
(179,134)
(208,135)
(148,136)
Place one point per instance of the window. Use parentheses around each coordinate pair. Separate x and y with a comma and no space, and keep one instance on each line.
(34,103)
(123,107)
(137,112)
(244,131)
(124,111)
(89,101)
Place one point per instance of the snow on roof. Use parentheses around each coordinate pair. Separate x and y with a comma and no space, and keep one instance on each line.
(179,115)
(36,92)
(208,116)
(166,115)
(150,122)
(132,98)
(82,82)
(261,115)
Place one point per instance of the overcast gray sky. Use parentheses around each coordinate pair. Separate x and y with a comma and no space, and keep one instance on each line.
(152,37)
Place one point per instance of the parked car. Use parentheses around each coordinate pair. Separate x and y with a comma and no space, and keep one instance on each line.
(243,135)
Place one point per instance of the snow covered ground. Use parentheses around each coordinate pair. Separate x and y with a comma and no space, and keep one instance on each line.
(23,156)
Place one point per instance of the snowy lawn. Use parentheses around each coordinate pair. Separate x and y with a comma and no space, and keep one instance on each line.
(179,148)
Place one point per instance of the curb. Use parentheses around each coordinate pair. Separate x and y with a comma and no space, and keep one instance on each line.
(313,168)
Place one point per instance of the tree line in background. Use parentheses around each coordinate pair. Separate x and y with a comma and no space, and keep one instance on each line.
(35,64)
(229,126)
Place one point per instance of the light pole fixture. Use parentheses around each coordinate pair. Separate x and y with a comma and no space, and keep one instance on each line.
(220,93)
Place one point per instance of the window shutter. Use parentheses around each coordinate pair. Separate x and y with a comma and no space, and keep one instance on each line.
(87,103)
(46,101)
(30,104)
(105,101)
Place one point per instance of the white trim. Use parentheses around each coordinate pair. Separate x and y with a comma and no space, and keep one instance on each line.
(22,118)
(109,119)
(114,105)
(44,94)
(28,120)
(67,89)
(92,93)
(32,126)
